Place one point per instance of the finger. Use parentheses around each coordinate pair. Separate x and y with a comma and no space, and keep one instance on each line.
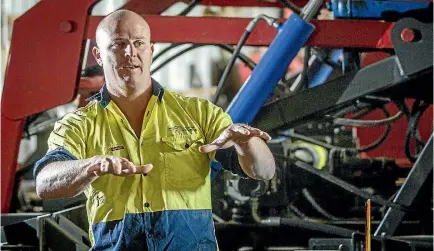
(209,148)
(245,126)
(128,169)
(222,140)
(259,133)
(265,136)
(104,166)
(240,129)
(144,169)
(124,159)
(255,132)
(116,166)
(94,168)
(127,165)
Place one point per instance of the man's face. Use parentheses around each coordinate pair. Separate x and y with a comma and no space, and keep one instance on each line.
(125,52)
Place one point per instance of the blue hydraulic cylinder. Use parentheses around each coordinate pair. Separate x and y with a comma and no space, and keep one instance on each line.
(325,70)
(292,35)
(373,9)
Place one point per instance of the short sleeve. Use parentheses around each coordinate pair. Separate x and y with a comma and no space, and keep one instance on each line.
(59,154)
(66,141)
(213,121)
(69,134)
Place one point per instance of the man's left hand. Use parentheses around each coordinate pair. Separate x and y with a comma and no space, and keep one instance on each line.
(236,134)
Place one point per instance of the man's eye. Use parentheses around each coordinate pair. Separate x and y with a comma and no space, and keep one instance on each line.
(117,44)
(139,43)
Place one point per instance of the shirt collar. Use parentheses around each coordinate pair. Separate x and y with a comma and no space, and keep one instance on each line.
(103,96)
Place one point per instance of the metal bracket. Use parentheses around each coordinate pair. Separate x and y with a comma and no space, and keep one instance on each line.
(413,42)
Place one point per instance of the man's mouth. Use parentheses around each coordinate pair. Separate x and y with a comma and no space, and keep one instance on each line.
(131,67)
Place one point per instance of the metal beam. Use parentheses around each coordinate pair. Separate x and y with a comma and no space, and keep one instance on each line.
(224,30)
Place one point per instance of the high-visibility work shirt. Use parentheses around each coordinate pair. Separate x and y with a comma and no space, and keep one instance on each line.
(170,207)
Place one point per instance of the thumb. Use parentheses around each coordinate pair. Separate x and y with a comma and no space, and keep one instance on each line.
(144,168)
(94,168)
(208,148)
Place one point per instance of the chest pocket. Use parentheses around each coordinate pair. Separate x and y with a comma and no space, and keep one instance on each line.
(184,165)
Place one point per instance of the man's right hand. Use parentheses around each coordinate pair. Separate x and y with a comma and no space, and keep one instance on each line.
(102,165)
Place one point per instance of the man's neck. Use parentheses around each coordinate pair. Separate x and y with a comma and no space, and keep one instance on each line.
(131,100)
(133,104)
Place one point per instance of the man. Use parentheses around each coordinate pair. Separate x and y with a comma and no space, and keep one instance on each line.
(141,153)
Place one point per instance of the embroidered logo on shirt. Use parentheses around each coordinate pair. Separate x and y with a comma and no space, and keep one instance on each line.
(116,148)
(99,199)
(177,129)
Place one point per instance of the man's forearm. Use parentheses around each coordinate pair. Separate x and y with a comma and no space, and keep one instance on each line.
(64,179)
(256,159)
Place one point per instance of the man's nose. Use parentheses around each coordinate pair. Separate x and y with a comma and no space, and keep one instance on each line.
(130,51)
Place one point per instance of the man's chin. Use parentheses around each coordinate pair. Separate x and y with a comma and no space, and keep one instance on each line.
(133,82)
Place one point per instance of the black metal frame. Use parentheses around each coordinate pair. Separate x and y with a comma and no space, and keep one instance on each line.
(348,187)
(63,230)
(55,237)
(20,231)
(60,231)
(409,190)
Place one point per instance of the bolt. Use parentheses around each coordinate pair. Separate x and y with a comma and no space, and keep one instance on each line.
(408,35)
(66,26)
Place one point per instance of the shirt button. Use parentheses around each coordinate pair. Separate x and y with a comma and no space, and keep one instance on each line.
(145,174)
(147,204)
(159,236)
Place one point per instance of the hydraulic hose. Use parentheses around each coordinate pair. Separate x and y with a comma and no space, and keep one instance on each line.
(225,47)
(304,224)
(190,6)
(291,6)
(250,27)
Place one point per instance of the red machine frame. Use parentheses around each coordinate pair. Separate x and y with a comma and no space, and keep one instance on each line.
(48,44)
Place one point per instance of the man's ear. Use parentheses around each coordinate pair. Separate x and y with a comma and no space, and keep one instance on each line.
(97,55)
(152,52)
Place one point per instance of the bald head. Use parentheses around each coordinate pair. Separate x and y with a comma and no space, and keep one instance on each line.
(113,22)
(124,50)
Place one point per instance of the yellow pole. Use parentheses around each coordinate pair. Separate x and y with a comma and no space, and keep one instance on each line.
(368,226)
